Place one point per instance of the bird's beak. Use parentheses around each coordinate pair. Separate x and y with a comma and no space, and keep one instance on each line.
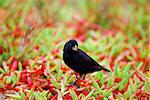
(75,48)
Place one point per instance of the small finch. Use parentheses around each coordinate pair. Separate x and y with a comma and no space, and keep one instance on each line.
(79,61)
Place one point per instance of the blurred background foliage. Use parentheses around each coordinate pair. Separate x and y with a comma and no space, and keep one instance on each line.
(70,18)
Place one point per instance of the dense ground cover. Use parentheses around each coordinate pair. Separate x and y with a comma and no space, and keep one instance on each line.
(115,33)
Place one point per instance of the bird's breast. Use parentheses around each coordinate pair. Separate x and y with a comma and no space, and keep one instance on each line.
(67,59)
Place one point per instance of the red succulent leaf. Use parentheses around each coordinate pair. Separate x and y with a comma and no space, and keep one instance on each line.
(102,57)
(54,97)
(71,87)
(81,37)
(95,26)
(99,97)
(7,86)
(46,73)
(115,94)
(52,88)
(2,90)
(14,65)
(36,47)
(81,82)
(23,78)
(80,28)
(85,92)
(18,32)
(8,74)
(63,2)
(16,88)
(112,65)
(144,98)
(148,94)
(109,32)
(115,91)
(54,51)
(125,88)
(67,97)
(25,63)
(41,80)
(70,25)
(40,71)
(2,49)
(117,80)
(139,76)
(24,72)
(48,24)
(29,80)
(139,91)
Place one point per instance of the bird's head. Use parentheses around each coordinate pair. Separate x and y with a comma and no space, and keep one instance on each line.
(71,46)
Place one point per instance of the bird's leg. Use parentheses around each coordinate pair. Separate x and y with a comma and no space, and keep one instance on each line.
(84,76)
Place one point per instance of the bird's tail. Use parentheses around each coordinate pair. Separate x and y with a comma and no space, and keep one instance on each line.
(105,69)
(99,68)
(102,68)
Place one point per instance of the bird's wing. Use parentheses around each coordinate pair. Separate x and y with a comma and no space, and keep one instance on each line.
(85,59)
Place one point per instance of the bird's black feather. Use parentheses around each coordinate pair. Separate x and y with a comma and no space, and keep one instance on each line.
(78,60)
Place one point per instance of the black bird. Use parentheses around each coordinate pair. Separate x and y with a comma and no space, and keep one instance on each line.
(78,60)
